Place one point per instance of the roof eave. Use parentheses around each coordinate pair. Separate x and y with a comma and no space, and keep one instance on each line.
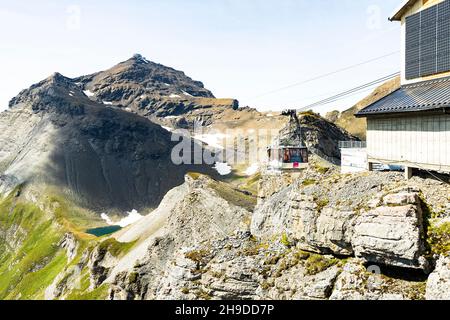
(400,11)
(440,110)
(361,114)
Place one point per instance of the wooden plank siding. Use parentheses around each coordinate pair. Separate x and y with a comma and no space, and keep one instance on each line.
(414,141)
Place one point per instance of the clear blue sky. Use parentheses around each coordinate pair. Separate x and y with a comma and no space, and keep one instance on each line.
(238,48)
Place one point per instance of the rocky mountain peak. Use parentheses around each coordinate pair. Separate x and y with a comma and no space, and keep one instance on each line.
(138,58)
(51,91)
(148,88)
(58,77)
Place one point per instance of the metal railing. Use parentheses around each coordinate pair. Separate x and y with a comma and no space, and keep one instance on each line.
(352,144)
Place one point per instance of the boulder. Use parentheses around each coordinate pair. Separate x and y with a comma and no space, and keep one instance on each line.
(393,233)
(388,231)
(438,285)
(296,215)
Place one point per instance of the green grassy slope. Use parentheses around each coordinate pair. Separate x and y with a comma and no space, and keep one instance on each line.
(25,271)
(30,253)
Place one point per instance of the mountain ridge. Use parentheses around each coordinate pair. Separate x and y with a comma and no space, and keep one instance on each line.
(101,155)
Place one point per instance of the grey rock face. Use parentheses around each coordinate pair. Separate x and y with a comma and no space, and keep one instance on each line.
(334,230)
(393,233)
(68,280)
(70,244)
(355,283)
(296,284)
(12,237)
(318,134)
(438,285)
(298,216)
(176,259)
(99,266)
(390,233)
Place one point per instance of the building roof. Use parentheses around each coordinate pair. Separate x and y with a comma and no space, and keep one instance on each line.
(422,96)
(400,11)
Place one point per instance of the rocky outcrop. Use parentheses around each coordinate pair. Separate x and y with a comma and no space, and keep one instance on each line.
(205,211)
(294,250)
(208,274)
(318,134)
(392,233)
(70,244)
(388,231)
(68,280)
(356,283)
(12,237)
(322,230)
(297,284)
(99,265)
(438,285)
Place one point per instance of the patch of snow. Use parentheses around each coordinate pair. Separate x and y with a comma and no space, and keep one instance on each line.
(167,128)
(213,140)
(89,93)
(170,117)
(222,168)
(105,217)
(132,217)
(253,169)
(270,115)
(107,103)
(128,109)
(166,84)
(174,96)
(187,94)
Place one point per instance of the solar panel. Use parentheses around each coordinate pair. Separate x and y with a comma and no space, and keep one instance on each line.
(443,37)
(428,35)
(428,41)
(413,46)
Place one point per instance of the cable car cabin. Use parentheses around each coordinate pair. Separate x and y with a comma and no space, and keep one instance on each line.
(288,158)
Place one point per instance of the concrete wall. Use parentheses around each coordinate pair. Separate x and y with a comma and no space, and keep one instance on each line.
(353,160)
(415,141)
(418,6)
